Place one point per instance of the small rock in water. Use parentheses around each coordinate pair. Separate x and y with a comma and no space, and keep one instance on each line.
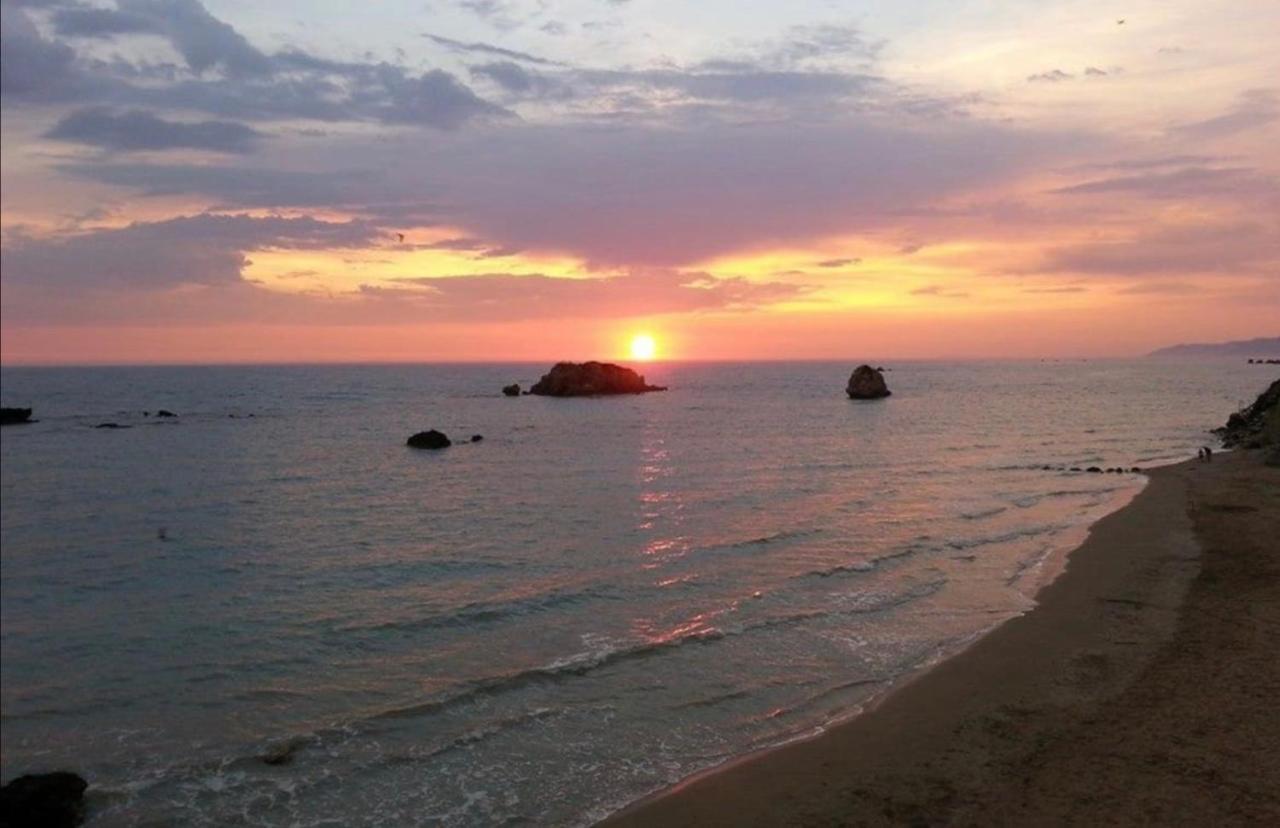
(47,800)
(512,390)
(111,425)
(475,438)
(1094,469)
(164,413)
(431,439)
(866,383)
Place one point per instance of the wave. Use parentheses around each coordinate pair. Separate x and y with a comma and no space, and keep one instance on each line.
(575,665)
(765,540)
(480,612)
(1004,537)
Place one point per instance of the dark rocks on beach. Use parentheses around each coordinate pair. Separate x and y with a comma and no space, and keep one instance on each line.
(45,800)
(14,416)
(431,439)
(591,379)
(866,383)
(282,753)
(1256,426)
(1094,470)
(512,390)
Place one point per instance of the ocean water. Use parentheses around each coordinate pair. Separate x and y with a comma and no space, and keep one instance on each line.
(598,600)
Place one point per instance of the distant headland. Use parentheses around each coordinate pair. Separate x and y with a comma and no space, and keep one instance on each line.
(1265,346)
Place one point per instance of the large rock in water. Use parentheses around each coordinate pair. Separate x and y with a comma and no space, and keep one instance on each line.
(47,800)
(512,390)
(12,416)
(867,383)
(590,379)
(429,440)
(1256,426)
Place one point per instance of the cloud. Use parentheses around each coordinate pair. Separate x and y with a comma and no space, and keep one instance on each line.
(204,41)
(531,296)
(1052,76)
(135,130)
(30,64)
(192,269)
(940,291)
(517,80)
(1214,249)
(1190,182)
(1255,108)
(96,22)
(838,262)
(222,73)
(620,195)
(203,249)
(475,47)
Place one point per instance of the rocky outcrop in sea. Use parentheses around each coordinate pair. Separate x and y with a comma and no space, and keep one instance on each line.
(867,383)
(591,379)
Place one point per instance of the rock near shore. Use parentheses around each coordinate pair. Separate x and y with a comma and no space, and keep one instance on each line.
(867,383)
(431,439)
(1257,426)
(591,379)
(13,416)
(44,800)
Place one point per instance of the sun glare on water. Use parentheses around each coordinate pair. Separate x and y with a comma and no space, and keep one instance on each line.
(643,347)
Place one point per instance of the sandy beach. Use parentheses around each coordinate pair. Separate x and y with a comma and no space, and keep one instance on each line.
(1140,691)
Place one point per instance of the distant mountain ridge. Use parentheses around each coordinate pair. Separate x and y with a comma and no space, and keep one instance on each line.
(1263,346)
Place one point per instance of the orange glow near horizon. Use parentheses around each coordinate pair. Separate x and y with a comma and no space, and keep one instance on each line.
(643,347)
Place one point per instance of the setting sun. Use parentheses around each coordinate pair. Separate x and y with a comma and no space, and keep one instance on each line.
(643,347)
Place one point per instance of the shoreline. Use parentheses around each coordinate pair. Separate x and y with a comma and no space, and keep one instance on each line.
(982,736)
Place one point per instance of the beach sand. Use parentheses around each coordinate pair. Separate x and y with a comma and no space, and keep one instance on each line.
(1144,689)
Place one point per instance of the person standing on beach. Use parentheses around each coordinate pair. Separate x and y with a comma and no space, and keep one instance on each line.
(1208,454)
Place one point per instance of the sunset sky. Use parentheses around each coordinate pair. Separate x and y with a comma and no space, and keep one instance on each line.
(543,179)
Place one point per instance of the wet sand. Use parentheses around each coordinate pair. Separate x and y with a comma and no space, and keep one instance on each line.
(1144,689)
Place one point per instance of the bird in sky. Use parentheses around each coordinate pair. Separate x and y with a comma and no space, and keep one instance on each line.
(1120,22)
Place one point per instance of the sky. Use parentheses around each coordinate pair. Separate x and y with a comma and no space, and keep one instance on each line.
(455,180)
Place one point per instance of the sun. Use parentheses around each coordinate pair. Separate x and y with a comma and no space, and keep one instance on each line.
(643,347)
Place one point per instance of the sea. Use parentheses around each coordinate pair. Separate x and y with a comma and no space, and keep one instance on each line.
(267,610)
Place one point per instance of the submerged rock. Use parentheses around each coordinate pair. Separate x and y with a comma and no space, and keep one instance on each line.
(48,800)
(590,379)
(13,416)
(512,390)
(111,425)
(431,439)
(867,383)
